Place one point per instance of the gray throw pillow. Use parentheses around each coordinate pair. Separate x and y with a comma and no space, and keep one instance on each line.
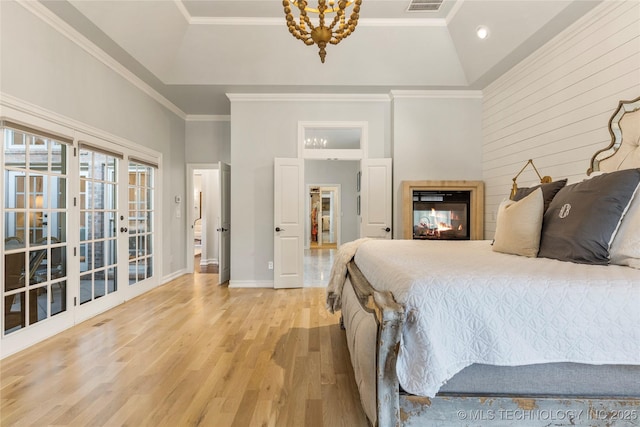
(549,190)
(582,218)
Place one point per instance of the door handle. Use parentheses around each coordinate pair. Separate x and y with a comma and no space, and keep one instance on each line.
(222,229)
(279,229)
(387,229)
(123,229)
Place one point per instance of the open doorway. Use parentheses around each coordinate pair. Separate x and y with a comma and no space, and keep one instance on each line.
(321,232)
(197,214)
(203,217)
(331,214)
(324,221)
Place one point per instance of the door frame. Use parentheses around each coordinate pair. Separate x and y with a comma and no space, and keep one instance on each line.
(191,168)
(334,154)
(337,220)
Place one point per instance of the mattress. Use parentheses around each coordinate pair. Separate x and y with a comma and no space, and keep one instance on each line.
(466,305)
(562,380)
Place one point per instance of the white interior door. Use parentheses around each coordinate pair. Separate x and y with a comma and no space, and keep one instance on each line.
(375,203)
(288,223)
(224,232)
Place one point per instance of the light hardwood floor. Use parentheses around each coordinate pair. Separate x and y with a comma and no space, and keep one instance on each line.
(190,353)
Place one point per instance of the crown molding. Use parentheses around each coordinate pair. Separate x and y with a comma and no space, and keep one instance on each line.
(40,11)
(363,22)
(400,22)
(454,10)
(436,94)
(307,97)
(207,118)
(183,10)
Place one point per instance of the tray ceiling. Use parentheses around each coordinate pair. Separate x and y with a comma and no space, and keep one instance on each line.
(194,52)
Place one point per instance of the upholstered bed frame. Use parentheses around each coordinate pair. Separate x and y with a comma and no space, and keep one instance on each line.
(555,394)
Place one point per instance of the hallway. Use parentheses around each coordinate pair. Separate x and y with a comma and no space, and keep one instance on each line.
(317,266)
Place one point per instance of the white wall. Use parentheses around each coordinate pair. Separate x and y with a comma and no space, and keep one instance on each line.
(555,105)
(436,136)
(43,67)
(263,128)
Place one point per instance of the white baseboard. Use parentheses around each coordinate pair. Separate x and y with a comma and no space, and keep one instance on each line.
(251,283)
(173,276)
(207,262)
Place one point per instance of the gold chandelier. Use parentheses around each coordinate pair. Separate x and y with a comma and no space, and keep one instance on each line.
(321,34)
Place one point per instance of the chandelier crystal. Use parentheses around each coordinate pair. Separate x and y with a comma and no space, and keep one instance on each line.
(323,33)
(315,142)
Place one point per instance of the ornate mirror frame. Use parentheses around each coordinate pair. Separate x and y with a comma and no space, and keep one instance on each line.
(624,107)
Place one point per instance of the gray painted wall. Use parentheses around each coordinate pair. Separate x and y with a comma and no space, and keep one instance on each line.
(208,141)
(261,130)
(41,66)
(434,138)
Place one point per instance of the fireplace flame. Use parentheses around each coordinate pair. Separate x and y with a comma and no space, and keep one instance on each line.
(443,226)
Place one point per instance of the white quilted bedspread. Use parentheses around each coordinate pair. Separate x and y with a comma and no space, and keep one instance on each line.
(466,304)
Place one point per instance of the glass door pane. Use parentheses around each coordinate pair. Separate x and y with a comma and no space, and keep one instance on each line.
(141,193)
(35,229)
(98,222)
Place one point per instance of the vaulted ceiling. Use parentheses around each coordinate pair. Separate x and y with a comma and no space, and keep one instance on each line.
(193,52)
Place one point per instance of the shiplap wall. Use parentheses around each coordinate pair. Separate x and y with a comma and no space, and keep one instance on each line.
(555,105)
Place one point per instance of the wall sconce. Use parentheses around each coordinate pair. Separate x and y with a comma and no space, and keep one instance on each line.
(543,179)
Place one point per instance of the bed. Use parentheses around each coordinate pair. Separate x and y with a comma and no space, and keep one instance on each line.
(466,333)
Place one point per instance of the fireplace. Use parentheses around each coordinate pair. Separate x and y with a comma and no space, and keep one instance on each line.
(441,215)
(439,210)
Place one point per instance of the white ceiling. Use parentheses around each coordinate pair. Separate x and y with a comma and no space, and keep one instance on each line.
(195,51)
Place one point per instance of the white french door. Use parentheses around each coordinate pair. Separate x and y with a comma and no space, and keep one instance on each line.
(78,224)
(140,228)
(37,279)
(97,205)
(116,211)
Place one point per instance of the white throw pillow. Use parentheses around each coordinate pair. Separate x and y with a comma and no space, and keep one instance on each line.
(519,224)
(625,248)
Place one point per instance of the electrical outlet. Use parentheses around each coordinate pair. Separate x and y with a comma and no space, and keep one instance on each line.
(270,265)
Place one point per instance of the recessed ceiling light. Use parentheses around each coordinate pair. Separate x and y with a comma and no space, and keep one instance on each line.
(482,32)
